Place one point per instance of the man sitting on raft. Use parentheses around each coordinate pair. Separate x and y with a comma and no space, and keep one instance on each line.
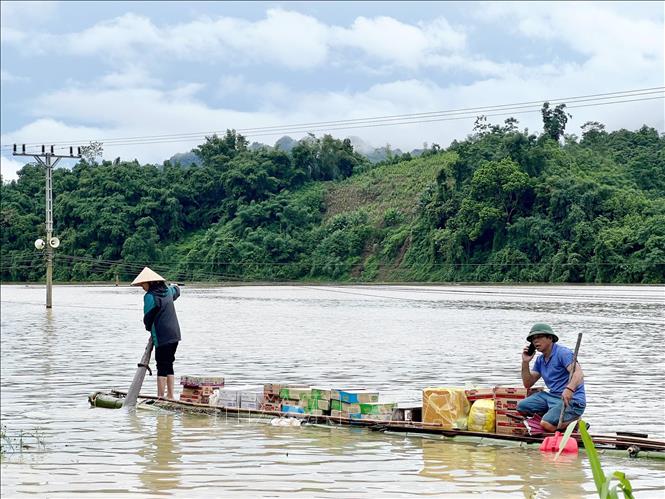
(554,366)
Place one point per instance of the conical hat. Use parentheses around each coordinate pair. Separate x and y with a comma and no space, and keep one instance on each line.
(147,275)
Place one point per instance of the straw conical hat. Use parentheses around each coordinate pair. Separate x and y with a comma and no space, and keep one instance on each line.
(147,275)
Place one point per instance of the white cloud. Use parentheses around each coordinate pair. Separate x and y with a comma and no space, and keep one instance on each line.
(129,102)
(285,38)
(131,77)
(593,29)
(9,167)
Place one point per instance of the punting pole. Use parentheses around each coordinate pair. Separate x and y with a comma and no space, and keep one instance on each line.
(139,376)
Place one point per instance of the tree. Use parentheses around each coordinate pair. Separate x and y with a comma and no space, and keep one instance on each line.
(554,120)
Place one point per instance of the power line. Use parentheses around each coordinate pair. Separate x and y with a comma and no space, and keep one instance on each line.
(592,100)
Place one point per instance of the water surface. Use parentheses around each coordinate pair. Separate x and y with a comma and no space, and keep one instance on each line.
(397,339)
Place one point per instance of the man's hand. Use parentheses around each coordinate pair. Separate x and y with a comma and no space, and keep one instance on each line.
(525,354)
(567,396)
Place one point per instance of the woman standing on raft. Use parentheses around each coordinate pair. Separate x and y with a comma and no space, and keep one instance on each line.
(161,320)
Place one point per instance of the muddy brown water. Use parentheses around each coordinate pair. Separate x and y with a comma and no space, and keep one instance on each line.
(397,339)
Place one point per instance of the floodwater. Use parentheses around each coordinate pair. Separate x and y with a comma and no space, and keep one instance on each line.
(397,339)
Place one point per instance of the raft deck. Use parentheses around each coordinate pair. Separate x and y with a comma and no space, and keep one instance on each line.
(621,444)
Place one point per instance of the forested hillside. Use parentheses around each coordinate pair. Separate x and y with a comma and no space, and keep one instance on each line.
(504,205)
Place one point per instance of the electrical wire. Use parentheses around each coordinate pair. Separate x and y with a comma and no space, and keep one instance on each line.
(590,100)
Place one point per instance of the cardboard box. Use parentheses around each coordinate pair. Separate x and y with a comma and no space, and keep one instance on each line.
(321,404)
(250,404)
(505,428)
(215,381)
(510,392)
(231,396)
(295,392)
(336,393)
(473,394)
(292,409)
(507,404)
(377,409)
(341,406)
(359,396)
(345,415)
(272,389)
(271,406)
(322,393)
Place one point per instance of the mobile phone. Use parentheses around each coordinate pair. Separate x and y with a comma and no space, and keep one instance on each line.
(532,349)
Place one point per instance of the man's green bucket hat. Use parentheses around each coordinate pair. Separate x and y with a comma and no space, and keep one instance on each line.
(542,328)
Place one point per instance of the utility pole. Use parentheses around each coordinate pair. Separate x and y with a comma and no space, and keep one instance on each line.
(51,241)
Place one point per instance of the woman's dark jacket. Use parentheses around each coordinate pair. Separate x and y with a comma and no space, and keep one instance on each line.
(159,314)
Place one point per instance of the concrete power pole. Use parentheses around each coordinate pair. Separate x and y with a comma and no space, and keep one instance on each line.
(51,242)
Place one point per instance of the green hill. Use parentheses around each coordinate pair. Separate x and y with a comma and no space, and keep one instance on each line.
(501,206)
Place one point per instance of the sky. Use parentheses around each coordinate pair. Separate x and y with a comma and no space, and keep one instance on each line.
(76,72)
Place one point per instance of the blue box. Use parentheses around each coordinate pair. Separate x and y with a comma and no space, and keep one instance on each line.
(359,396)
(293,408)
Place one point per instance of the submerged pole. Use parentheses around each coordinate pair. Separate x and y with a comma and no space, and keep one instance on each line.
(139,376)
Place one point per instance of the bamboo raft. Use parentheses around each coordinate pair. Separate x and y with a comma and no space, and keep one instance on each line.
(620,444)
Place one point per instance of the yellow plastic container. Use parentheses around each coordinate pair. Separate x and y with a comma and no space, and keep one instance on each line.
(482,416)
(446,406)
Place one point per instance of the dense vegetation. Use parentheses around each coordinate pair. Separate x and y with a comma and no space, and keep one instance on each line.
(504,205)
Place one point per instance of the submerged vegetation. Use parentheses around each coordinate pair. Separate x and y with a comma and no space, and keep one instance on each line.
(504,205)
(20,442)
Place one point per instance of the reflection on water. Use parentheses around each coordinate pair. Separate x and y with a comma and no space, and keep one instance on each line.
(518,471)
(397,338)
(160,452)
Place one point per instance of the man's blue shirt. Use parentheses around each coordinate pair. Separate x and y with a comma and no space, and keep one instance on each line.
(555,373)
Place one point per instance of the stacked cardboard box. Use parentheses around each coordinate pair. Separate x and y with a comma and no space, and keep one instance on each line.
(508,420)
(197,389)
(271,400)
(295,398)
(240,397)
(377,411)
(319,401)
(473,394)
(345,402)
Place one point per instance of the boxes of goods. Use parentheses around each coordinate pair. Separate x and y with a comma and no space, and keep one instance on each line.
(445,406)
(198,389)
(473,394)
(508,420)
(338,405)
(295,392)
(321,393)
(377,411)
(271,399)
(359,396)
(481,416)
(345,415)
(292,409)
(231,397)
(215,381)
(252,398)
(319,401)
(336,393)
